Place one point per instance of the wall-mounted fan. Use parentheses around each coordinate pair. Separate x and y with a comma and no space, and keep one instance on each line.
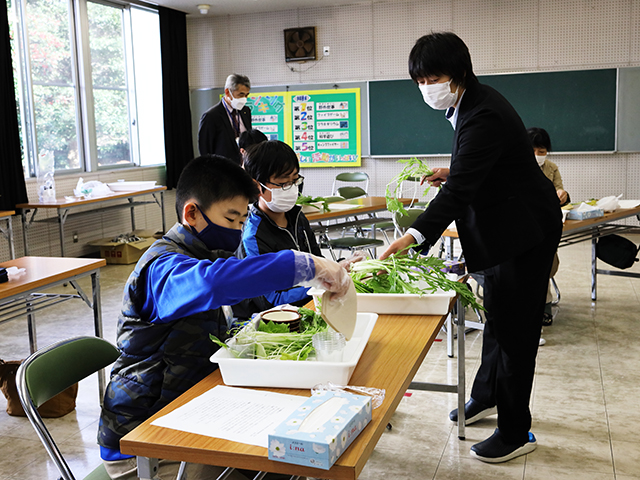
(300,44)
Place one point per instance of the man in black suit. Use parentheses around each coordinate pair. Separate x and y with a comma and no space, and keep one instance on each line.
(222,124)
(509,222)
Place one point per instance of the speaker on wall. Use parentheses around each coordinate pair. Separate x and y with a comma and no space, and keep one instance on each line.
(300,44)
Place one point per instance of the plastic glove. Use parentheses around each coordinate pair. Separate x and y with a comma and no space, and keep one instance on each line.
(356,256)
(328,275)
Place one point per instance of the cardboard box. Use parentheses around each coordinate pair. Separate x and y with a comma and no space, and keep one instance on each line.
(318,432)
(123,253)
(575,215)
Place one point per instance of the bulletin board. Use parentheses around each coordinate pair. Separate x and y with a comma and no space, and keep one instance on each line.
(326,127)
(322,123)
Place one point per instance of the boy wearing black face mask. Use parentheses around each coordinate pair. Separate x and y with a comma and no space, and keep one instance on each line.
(172,303)
(275,222)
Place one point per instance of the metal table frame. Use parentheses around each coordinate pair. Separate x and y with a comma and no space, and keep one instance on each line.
(63,213)
(8,231)
(29,302)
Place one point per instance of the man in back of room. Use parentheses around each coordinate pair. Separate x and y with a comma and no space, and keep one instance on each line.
(222,124)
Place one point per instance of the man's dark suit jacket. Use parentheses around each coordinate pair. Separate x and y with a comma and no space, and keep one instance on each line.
(216,135)
(501,201)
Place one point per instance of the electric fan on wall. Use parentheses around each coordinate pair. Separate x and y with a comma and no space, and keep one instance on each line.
(300,44)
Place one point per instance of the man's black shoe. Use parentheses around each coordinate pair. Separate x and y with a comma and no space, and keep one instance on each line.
(495,450)
(473,411)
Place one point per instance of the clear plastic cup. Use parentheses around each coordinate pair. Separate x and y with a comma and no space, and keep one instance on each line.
(329,346)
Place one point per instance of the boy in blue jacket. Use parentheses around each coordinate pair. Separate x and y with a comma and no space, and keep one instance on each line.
(172,303)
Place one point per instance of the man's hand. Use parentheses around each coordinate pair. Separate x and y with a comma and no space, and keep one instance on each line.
(562,195)
(399,246)
(439,177)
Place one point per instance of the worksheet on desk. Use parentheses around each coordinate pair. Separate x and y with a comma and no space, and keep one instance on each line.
(237,414)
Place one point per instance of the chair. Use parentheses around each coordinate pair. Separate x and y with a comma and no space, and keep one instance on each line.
(402,222)
(53,369)
(351,191)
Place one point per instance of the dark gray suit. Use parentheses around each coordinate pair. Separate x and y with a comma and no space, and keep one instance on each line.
(216,135)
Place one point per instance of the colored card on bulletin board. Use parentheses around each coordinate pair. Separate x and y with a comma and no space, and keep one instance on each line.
(268,114)
(325,127)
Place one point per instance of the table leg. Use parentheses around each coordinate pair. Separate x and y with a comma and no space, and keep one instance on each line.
(133,216)
(147,468)
(23,214)
(164,226)
(62,217)
(12,250)
(31,328)
(594,266)
(97,323)
(460,328)
(449,327)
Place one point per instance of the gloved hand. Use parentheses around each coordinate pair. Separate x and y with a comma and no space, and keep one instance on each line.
(356,256)
(329,275)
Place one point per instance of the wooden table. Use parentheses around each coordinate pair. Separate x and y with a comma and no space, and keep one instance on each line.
(63,207)
(8,231)
(19,295)
(576,231)
(396,349)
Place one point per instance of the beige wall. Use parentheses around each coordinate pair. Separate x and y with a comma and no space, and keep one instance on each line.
(371,40)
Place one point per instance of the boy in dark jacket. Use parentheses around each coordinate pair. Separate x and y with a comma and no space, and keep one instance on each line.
(173,298)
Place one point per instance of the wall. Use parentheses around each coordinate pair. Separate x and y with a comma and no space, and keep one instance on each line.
(372,40)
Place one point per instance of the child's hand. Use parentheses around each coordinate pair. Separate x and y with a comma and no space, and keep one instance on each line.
(439,177)
(562,195)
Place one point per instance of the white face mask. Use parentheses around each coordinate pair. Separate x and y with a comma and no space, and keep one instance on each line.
(238,103)
(540,159)
(282,200)
(439,95)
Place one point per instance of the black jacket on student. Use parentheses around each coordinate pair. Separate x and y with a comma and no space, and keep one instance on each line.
(216,135)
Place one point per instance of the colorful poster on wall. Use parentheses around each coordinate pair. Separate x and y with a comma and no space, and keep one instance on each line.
(268,114)
(325,126)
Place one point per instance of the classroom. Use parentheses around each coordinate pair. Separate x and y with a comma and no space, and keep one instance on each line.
(587,372)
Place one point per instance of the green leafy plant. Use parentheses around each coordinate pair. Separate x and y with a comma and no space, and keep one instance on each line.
(411,273)
(414,168)
(311,201)
(273,341)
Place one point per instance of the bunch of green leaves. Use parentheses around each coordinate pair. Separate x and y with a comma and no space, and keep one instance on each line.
(274,341)
(410,273)
(413,169)
(312,201)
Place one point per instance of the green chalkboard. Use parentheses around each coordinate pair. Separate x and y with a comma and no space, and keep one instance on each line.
(577,108)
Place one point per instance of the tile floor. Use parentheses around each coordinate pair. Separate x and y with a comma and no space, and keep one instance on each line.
(584,400)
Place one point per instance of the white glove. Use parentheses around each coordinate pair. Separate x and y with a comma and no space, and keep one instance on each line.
(356,256)
(329,275)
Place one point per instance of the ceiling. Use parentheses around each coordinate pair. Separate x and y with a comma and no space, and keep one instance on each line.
(235,7)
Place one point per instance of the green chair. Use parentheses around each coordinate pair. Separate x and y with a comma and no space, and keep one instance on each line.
(354,243)
(53,369)
(402,222)
(351,191)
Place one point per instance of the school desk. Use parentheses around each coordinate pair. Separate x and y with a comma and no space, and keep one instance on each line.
(8,230)
(396,349)
(576,231)
(63,207)
(19,296)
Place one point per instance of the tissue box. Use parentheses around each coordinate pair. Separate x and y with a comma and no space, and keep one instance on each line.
(576,215)
(318,432)
(453,266)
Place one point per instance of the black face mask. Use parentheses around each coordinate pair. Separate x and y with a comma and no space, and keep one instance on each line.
(216,237)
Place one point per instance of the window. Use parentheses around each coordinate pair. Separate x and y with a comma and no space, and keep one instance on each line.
(86,92)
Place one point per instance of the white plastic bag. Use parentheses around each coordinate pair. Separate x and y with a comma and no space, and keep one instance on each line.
(91,189)
(609,204)
(46,182)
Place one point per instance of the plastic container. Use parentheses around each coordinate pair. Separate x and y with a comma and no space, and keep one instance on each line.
(405,303)
(244,372)
(329,346)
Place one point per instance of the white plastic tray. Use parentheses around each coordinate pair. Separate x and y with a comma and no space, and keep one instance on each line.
(405,303)
(244,372)
(131,186)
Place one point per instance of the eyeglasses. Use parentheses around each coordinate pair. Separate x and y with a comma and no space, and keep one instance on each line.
(287,186)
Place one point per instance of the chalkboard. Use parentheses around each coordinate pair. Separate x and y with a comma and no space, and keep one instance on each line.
(577,108)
